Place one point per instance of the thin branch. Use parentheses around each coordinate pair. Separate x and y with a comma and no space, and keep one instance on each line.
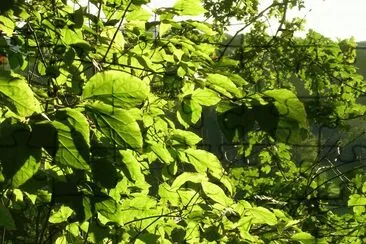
(243,28)
(116,32)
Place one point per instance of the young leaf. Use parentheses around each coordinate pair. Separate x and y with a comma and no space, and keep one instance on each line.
(356,200)
(6,25)
(110,209)
(133,166)
(304,237)
(292,123)
(162,152)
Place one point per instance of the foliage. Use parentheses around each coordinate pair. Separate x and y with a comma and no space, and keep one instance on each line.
(98,109)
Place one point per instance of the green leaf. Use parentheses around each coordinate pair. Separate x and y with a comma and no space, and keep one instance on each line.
(216,193)
(205,97)
(224,83)
(7,25)
(262,216)
(60,215)
(117,124)
(73,37)
(73,139)
(19,159)
(184,137)
(187,176)
(189,7)
(292,124)
(6,220)
(116,88)
(203,160)
(357,200)
(61,240)
(17,95)
(133,166)
(28,169)
(189,112)
(162,152)
(110,209)
(304,237)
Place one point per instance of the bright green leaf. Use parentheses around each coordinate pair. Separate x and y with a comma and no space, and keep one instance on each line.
(73,139)
(262,216)
(6,25)
(224,82)
(116,88)
(117,124)
(187,176)
(185,137)
(216,193)
(356,200)
(17,95)
(60,215)
(205,97)
(304,237)
(189,7)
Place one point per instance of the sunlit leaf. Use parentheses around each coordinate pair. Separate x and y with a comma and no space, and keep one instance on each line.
(205,97)
(189,7)
(17,95)
(117,124)
(216,193)
(262,215)
(116,88)
(73,139)
(60,215)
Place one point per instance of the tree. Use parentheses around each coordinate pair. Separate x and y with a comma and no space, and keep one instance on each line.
(96,130)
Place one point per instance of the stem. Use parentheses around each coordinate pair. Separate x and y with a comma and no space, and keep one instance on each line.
(116,32)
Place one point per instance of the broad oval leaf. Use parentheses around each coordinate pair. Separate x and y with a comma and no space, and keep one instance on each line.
(262,216)
(203,160)
(187,176)
(61,215)
(116,88)
(223,82)
(216,193)
(110,209)
(117,124)
(133,166)
(73,139)
(205,97)
(184,137)
(17,95)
